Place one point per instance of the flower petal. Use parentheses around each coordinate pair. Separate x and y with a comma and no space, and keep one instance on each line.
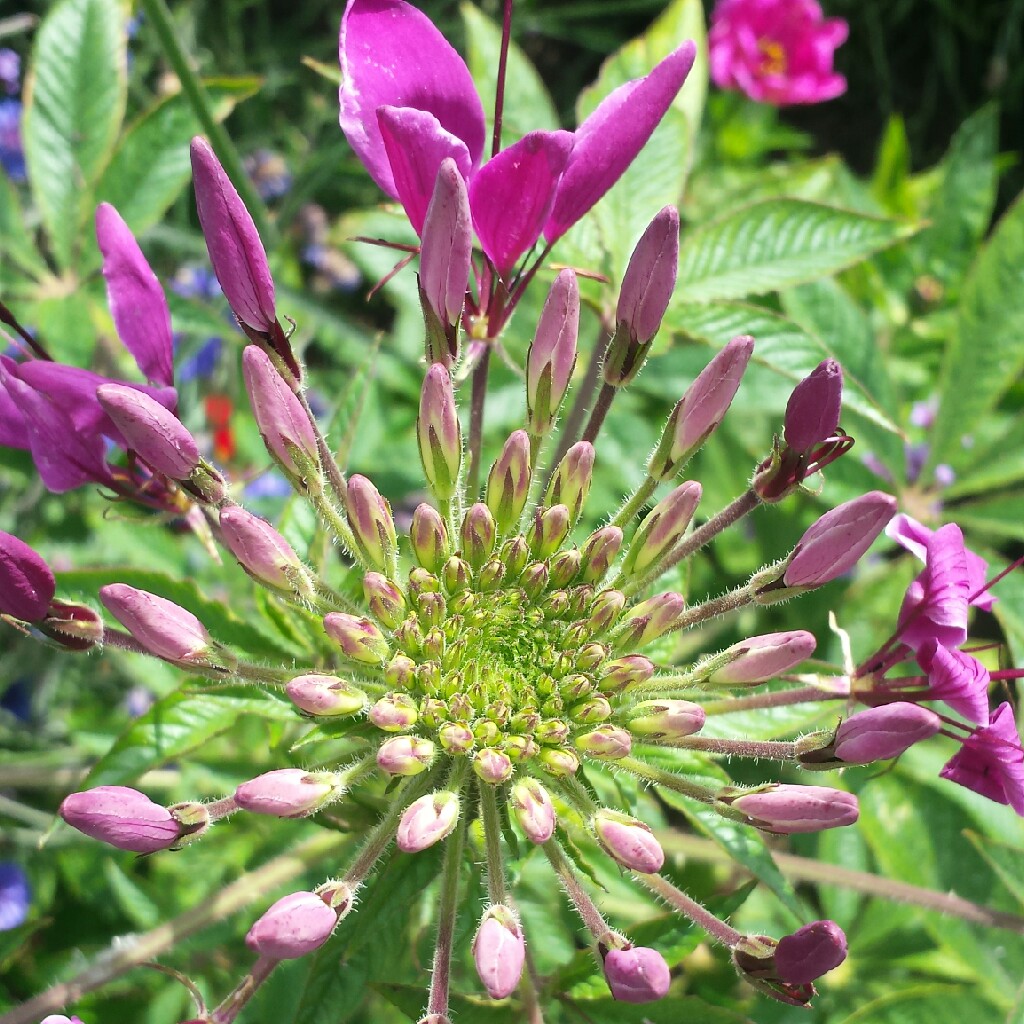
(608,141)
(392,55)
(511,195)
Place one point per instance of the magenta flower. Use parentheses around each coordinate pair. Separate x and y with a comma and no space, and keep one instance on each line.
(957,678)
(991,761)
(776,51)
(408,102)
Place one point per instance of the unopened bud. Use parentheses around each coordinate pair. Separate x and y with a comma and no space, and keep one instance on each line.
(456,737)
(260,549)
(650,278)
(609,742)
(429,537)
(552,354)
(534,579)
(878,734)
(478,535)
(666,719)
(456,575)
(651,618)
(812,414)
(622,672)
(160,626)
(438,433)
(600,550)
(325,696)
(400,672)
(27,584)
(662,528)
(395,712)
(637,974)
(287,793)
(754,959)
(564,567)
(605,610)
(560,763)
(810,952)
(492,766)
(499,951)
(508,483)
(427,821)
(761,658)
(373,527)
(547,531)
(628,841)
(384,599)
(295,925)
(75,627)
(785,809)
(405,755)
(359,638)
(123,818)
(570,482)
(533,810)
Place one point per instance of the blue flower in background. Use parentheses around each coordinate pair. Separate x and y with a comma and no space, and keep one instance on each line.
(269,173)
(17,700)
(202,362)
(12,156)
(15,895)
(10,71)
(268,485)
(195,282)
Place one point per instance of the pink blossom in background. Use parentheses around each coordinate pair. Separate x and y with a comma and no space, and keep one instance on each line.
(776,51)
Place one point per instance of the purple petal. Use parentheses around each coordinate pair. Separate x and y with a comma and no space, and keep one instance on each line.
(608,141)
(137,302)
(392,55)
(511,195)
(935,606)
(27,585)
(416,144)
(991,761)
(956,678)
(12,423)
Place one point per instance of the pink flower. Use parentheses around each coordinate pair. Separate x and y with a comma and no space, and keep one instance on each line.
(991,761)
(776,51)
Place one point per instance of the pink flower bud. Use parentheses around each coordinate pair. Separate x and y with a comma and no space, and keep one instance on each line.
(427,821)
(286,793)
(637,974)
(547,531)
(810,952)
(373,527)
(259,548)
(785,809)
(605,610)
(552,354)
(492,766)
(761,658)
(883,732)
(650,277)
(812,414)
(622,672)
(438,433)
(662,528)
(160,626)
(599,551)
(666,719)
(570,482)
(394,713)
(429,538)
(295,925)
(325,696)
(478,535)
(59,1018)
(27,585)
(608,742)
(359,638)
(157,435)
(533,810)
(508,483)
(701,409)
(236,251)
(121,817)
(628,841)
(499,951)
(560,763)
(834,544)
(279,414)
(405,755)
(652,618)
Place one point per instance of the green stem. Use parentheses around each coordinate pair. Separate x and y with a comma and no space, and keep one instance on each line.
(772,750)
(476,423)
(497,887)
(774,699)
(661,777)
(635,503)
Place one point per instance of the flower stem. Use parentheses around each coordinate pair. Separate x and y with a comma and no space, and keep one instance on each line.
(774,750)
(441,973)
(668,779)
(578,896)
(499,90)
(476,423)
(604,401)
(635,503)
(694,911)
(774,699)
(230,1008)
(497,887)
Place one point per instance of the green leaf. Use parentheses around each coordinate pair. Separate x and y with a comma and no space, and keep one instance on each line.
(985,354)
(775,244)
(66,322)
(76,96)
(682,1010)
(411,999)
(1005,860)
(527,105)
(922,1004)
(17,247)
(994,517)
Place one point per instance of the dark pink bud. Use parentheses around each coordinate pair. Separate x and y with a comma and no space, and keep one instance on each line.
(786,809)
(812,414)
(552,354)
(121,817)
(261,550)
(637,974)
(499,951)
(160,626)
(880,733)
(27,585)
(810,952)
(650,277)
(292,927)
(373,527)
(236,251)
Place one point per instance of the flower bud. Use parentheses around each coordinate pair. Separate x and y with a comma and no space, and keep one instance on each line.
(287,793)
(834,544)
(295,925)
(149,429)
(600,550)
(785,809)
(812,414)
(666,719)
(662,528)
(607,741)
(810,952)
(547,531)
(622,672)
(456,737)
(651,618)
(395,712)
(123,818)
(445,255)
(878,734)
(564,566)
(384,599)
(605,610)
(159,625)
(628,841)
(533,810)
(637,974)
(559,763)
(650,278)
(492,766)
(508,483)
(283,424)
(359,638)
(236,251)
(761,658)
(570,482)
(701,409)
(552,354)
(27,585)
(456,575)
(499,951)
(439,434)
(478,535)
(427,821)
(75,627)
(405,755)
(260,549)
(369,515)
(429,537)
(325,696)
(754,959)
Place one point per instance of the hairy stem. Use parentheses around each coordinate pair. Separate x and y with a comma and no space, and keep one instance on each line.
(476,423)
(497,888)
(440,976)
(692,909)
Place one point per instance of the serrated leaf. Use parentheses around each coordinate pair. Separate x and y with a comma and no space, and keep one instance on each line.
(18,252)
(75,102)
(774,244)
(1005,860)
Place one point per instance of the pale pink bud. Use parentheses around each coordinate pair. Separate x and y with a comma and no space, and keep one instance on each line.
(478,534)
(160,626)
(123,818)
(810,952)
(570,482)
(559,762)
(295,925)
(662,527)
(405,755)
(373,527)
(427,821)
(384,599)
(325,696)
(394,713)
(549,528)
(499,951)
(359,638)
(786,809)
(286,793)
(508,483)
(701,409)
(599,551)
(607,741)
(149,429)
(260,549)
(429,538)
(533,810)
(650,277)
(637,974)
(880,733)
(652,618)
(456,737)
(628,841)
(552,355)
(438,432)
(279,414)
(764,657)
(605,610)
(236,251)
(492,766)
(812,414)
(834,544)
(622,672)
(666,719)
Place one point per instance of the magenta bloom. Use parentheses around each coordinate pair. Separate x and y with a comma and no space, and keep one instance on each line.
(776,51)
(408,102)
(991,761)
(957,678)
